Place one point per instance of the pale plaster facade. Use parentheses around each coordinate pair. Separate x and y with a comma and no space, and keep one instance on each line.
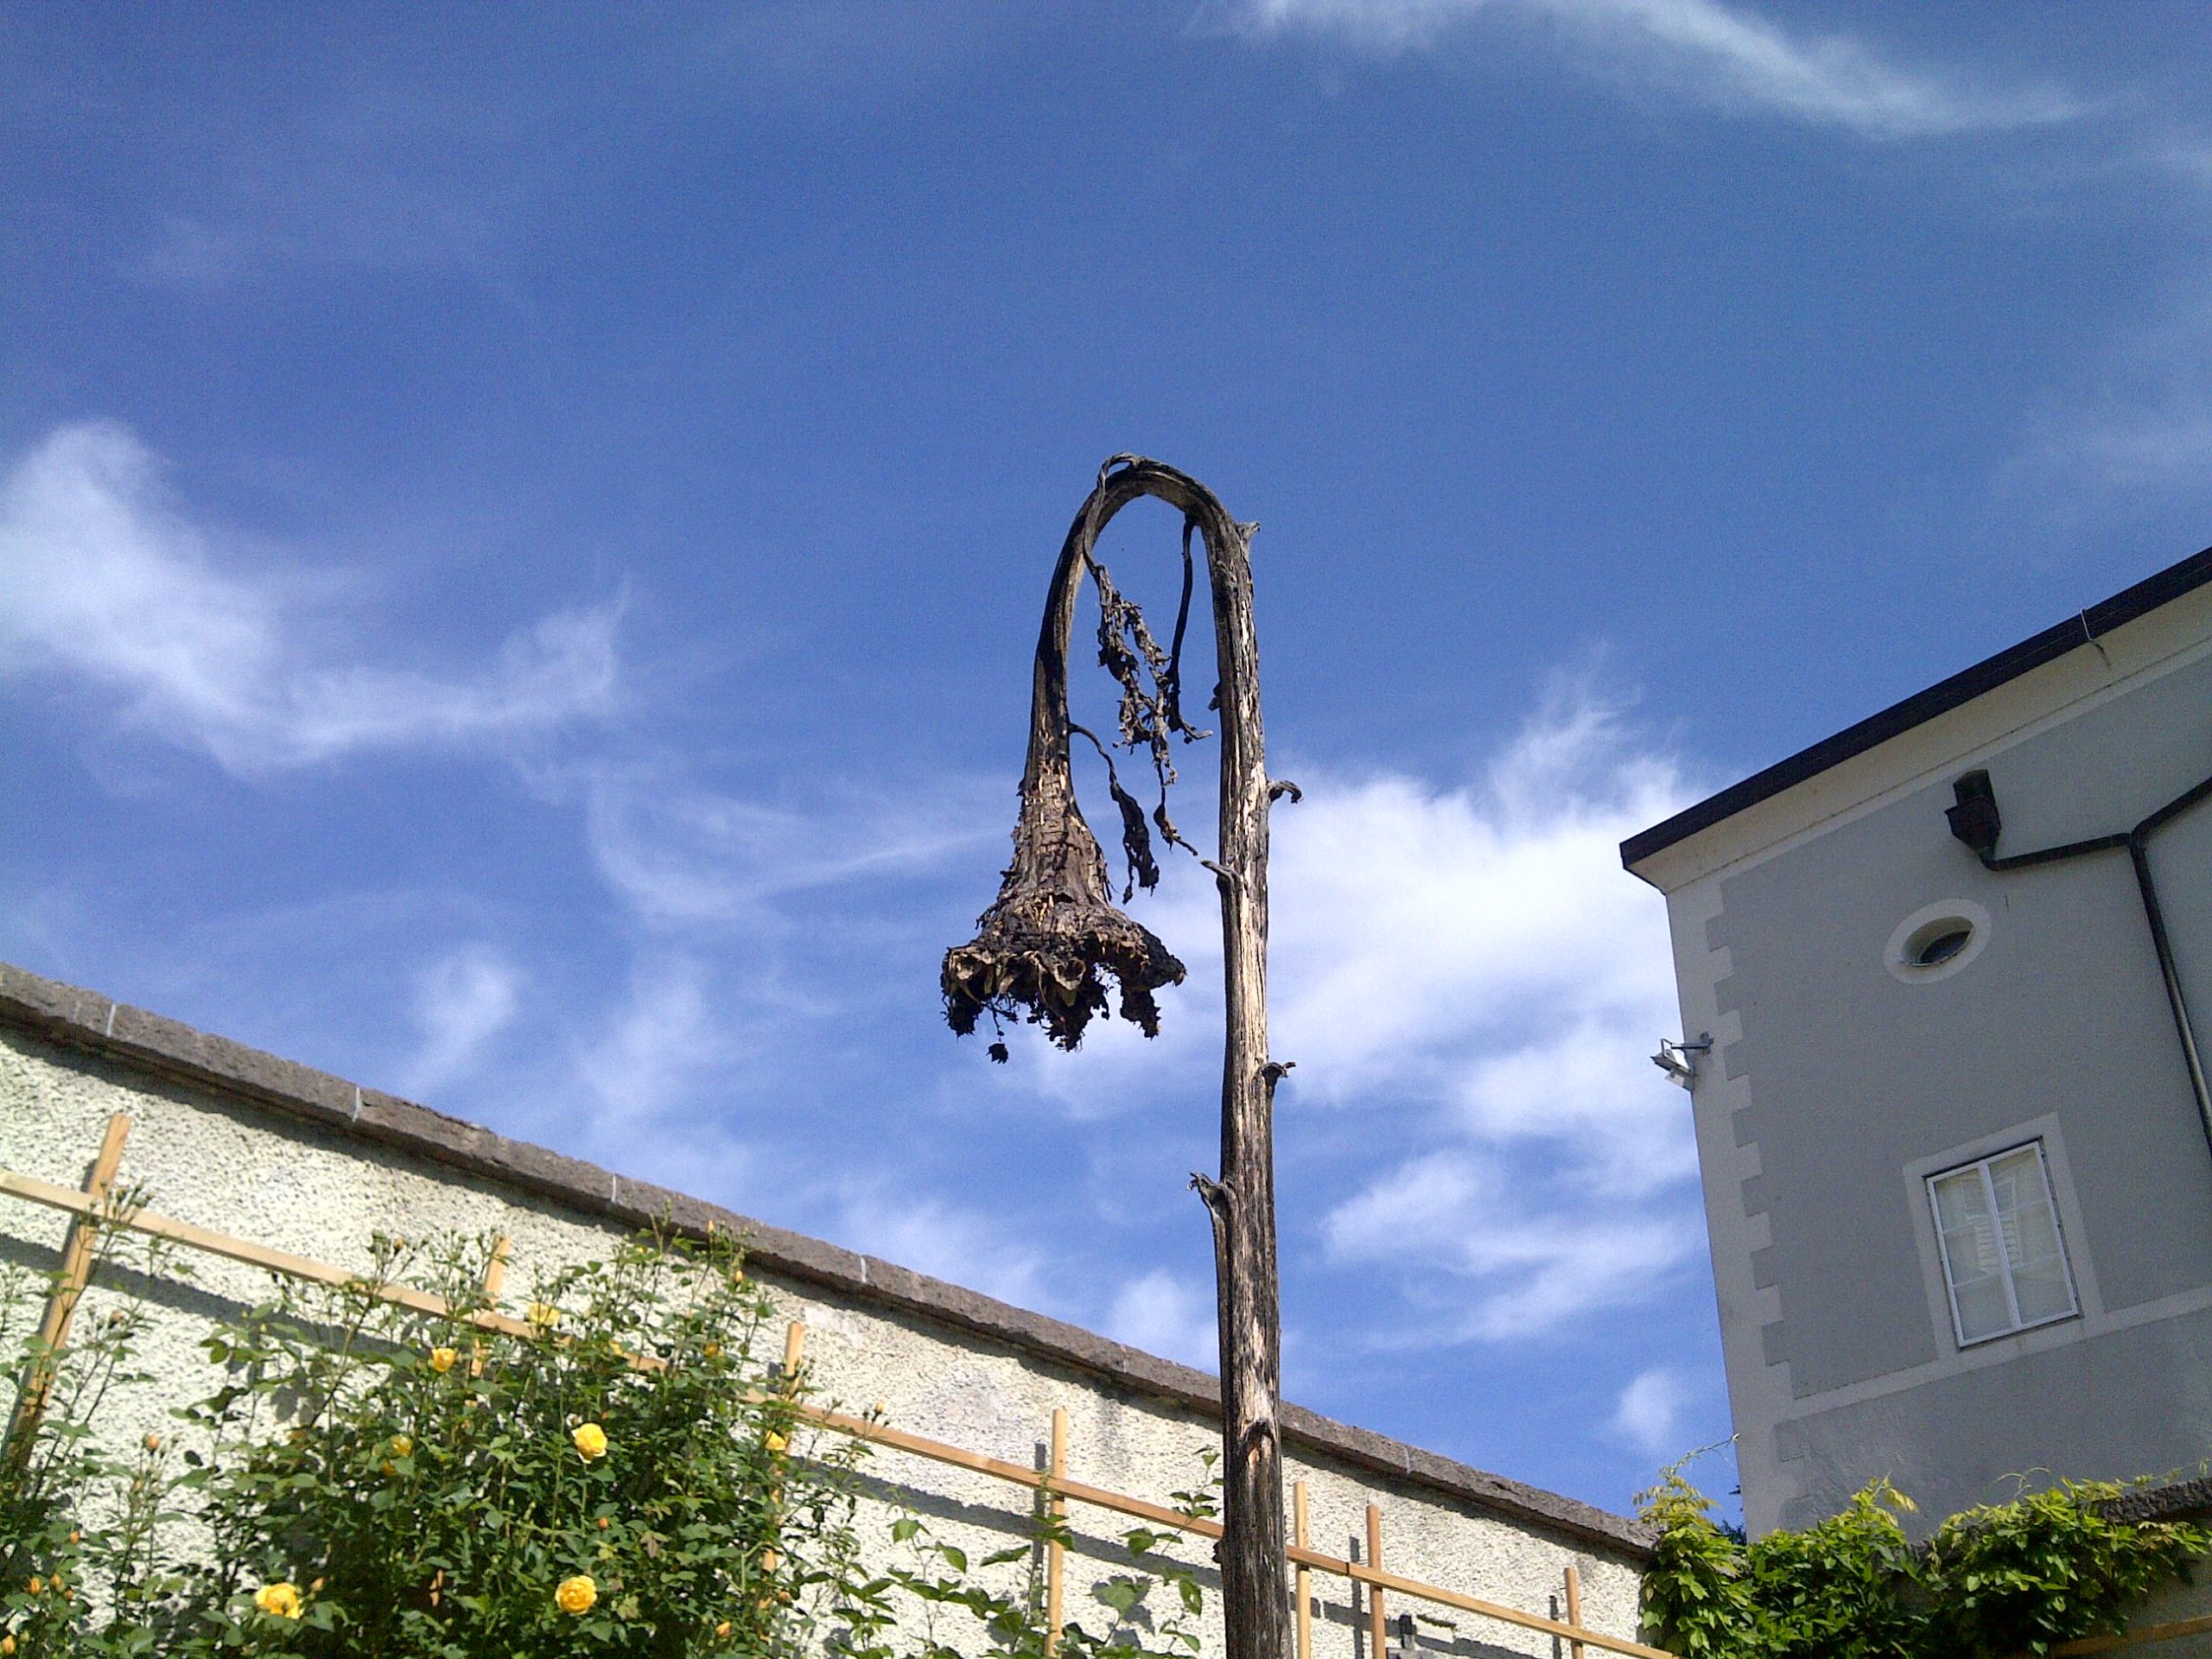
(257,1147)
(1841,1078)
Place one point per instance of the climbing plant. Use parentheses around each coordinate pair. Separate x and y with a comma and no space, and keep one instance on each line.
(2004,1578)
(633,1476)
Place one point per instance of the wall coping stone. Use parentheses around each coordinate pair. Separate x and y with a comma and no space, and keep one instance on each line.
(2178,1500)
(84,1019)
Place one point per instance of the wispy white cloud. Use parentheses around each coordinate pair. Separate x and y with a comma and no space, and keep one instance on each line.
(1168,1316)
(1701,50)
(1477,955)
(2136,423)
(1467,964)
(1528,1253)
(463,1000)
(1415,926)
(1467,980)
(646,1062)
(683,854)
(944,1240)
(110,584)
(1651,1410)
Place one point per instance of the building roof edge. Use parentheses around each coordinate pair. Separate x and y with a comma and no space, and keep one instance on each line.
(2052,643)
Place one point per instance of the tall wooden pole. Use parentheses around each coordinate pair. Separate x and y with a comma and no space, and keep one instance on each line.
(1054,930)
(1242,1201)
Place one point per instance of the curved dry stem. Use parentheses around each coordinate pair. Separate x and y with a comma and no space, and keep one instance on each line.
(1046,948)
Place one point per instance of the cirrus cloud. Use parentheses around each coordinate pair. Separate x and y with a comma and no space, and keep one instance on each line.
(1700,50)
(110,584)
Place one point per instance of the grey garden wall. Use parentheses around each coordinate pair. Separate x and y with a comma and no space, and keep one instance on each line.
(253,1146)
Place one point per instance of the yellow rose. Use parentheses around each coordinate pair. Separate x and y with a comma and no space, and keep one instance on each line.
(722,1630)
(576,1595)
(543,1315)
(7,1644)
(278,1600)
(591,1440)
(442,1360)
(402,1446)
(776,1442)
(38,1586)
(153,1442)
(713,1351)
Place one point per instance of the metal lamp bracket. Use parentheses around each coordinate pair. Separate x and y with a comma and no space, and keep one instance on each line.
(1679,1060)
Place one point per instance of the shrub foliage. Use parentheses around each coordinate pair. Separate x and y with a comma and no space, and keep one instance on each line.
(633,1477)
(2001,1580)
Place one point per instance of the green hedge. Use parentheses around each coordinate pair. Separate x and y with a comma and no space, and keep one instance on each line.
(2005,1578)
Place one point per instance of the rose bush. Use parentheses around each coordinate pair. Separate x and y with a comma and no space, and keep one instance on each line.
(633,1477)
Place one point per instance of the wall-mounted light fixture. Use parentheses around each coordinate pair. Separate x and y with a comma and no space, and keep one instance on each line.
(1679,1060)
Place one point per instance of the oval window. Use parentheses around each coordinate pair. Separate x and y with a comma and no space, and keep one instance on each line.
(1936,941)
(1945,942)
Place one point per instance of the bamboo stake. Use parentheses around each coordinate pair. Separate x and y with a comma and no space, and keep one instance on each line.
(78,1250)
(794,1356)
(1573,1608)
(30,1189)
(489,1285)
(1305,1579)
(1360,1573)
(1055,1552)
(495,1270)
(1377,1631)
(2136,1638)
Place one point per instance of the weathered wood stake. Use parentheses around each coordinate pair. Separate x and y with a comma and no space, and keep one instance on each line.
(78,1249)
(1378,1622)
(1055,1553)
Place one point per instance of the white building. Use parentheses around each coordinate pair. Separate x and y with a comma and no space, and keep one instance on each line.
(1954,1126)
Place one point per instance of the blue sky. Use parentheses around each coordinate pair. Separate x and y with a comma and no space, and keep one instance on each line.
(519,539)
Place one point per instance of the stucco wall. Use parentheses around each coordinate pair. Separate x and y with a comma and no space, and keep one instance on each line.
(246,1144)
(1834,1088)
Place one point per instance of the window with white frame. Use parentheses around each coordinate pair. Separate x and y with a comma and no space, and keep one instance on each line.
(2003,1257)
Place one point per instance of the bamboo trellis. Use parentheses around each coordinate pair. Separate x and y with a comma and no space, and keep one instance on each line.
(93,1206)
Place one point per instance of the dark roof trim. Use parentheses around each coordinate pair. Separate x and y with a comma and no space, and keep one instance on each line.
(2051,643)
(146,1042)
